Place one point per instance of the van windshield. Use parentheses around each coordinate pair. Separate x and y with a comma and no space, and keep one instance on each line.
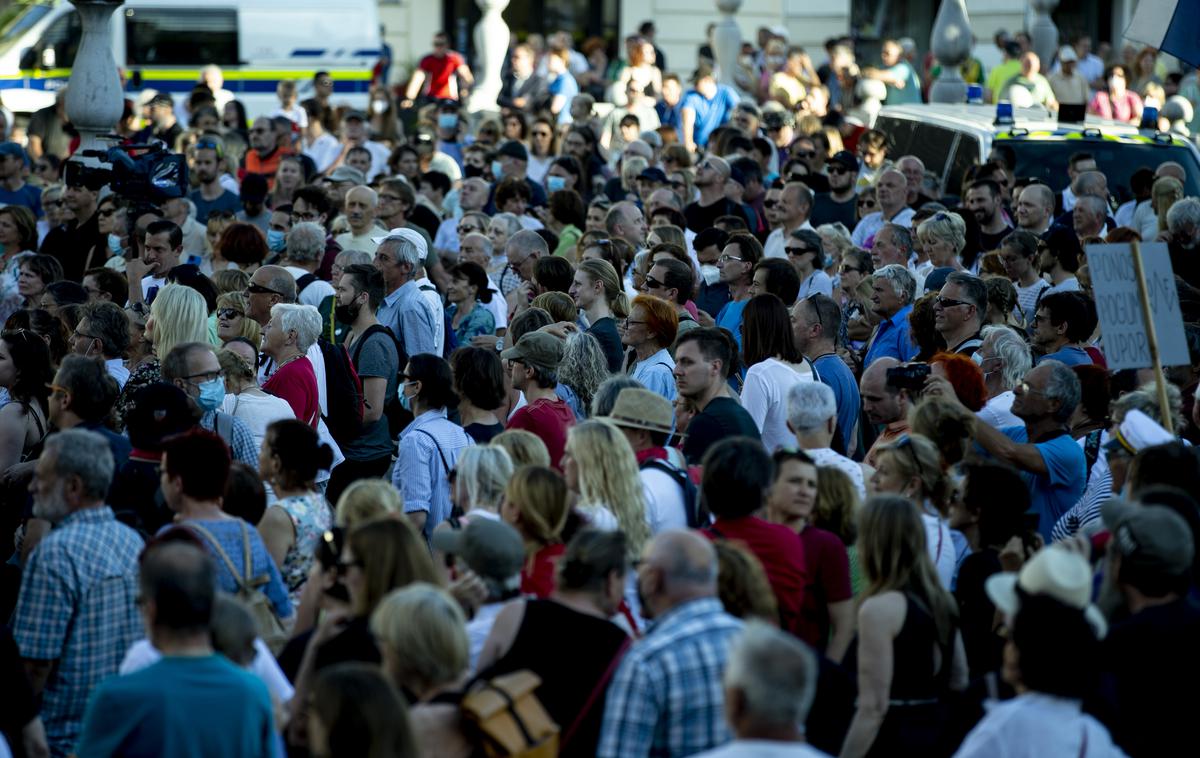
(17,19)
(1047,160)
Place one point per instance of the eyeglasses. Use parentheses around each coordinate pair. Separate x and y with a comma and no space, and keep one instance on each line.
(726,258)
(77,334)
(305,216)
(229,313)
(1024,387)
(391,198)
(905,442)
(804,154)
(58,390)
(867,203)
(850,270)
(837,169)
(207,376)
(798,250)
(653,284)
(630,322)
(108,212)
(946,302)
(258,289)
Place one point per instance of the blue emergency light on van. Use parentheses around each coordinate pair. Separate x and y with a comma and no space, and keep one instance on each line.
(1004,114)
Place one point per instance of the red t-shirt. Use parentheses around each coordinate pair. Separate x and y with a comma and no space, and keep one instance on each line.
(781,554)
(296,382)
(438,72)
(550,420)
(537,576)
(828,567)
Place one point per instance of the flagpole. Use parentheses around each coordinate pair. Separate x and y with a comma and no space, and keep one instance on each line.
(1151,337)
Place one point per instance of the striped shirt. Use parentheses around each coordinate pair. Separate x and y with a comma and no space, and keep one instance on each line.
(78,609)
(665,698)
(429,448)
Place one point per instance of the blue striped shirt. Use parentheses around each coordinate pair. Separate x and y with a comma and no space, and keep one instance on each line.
(666,697)
(656,374)
(421,473)
(404,312)
(78,608)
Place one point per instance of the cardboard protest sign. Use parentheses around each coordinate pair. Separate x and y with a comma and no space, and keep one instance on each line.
(1118,304)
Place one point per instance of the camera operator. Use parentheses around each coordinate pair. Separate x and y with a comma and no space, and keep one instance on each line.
(79,246)
(885,402)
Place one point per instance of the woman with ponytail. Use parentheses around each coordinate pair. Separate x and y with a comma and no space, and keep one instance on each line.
(597,291)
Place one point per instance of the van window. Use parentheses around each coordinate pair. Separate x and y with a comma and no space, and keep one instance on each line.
(965,156)
(181,37)
(56,48)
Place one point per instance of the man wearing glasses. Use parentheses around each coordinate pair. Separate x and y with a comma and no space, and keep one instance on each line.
(265,153)
(837,205)
(208,165)
(958,312)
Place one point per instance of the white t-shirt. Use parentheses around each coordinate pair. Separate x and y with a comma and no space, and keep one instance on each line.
(142,654)
(152,281)
(997,412)
(828,457)
(324,150)
(316,291)
(433,302)
(665,508)
(351,241)
(257,412)
(1027,297)
(941,547)
(764,397)
(497,306)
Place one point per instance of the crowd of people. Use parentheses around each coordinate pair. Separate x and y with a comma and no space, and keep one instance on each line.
(703,426)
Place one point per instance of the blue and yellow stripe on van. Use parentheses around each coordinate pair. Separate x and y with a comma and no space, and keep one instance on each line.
(182,80)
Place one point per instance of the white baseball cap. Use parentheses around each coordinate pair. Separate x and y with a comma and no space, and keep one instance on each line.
(400,233)
(1066,54)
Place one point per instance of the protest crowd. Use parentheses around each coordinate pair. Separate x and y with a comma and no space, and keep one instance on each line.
(645,416)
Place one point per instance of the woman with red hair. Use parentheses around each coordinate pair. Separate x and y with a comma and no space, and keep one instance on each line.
(650,331)
(242,245)
(964,375)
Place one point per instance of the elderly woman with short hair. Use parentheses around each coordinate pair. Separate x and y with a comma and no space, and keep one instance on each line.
(943,235)
(286,339)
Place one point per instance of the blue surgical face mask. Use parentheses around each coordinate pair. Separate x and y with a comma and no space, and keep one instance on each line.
(212,394)
(497,169)
(276,240)
(114,245)
(556,183)
(405,400)
(448,121)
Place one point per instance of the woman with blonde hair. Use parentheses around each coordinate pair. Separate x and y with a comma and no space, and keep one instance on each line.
(178,315)
(523,447)
(597,291)
(601,469)
(838,504)
(535,504)
(666,233)
(367,500)
(912,467)
(943,235)
(583,368)
(1166,191)
(742,585)
(422,634)
(481,474)
(909,651)
(835,238)
(232,320)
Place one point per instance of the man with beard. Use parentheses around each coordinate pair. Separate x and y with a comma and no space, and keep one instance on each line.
(377,360)
(77,611)
(838,204)
(985,203)
(208,166)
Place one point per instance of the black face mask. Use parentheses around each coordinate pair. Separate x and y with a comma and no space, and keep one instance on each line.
(346,313)
(470,171)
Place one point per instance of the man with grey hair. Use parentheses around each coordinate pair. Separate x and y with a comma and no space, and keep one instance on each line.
(1089,216)
(958,312)
(1183,240)
(523,250)
(77,610)
(913,169)
(894,244)
(816,323)
(1005,359)
(360,207)
(472,197)
(665,697)
(302,257)
(193,367)
(398,258)
(812,416)
(793,207)
(891,299)
(770,682)
(1042,448)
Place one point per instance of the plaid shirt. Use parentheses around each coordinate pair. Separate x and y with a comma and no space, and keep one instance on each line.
(666,698)
(78,608)
(242,447)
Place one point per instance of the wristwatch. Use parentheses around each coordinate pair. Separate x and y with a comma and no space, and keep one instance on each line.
(499,345)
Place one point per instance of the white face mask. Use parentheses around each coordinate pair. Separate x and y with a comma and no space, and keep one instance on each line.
(378,106)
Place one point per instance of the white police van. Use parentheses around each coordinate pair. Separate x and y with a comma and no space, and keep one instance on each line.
(949,139)
(161,45)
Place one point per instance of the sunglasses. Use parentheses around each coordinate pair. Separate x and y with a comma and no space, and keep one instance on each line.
(804,154)
(851,269)
(258,289)
(653,284)
(798,250)
(770,203)
(229,313)
(866,203)
(837,169)
(947,302)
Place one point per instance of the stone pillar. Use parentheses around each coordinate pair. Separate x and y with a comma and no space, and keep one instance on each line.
(951,46)
(727,41)
(491,45)
(95,100)
(1043,33)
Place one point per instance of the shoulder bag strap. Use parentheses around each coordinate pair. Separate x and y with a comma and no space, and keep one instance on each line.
(212,540)
(601,686)
(445,465)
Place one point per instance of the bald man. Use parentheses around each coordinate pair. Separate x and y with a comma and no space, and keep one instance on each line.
(711,174)
(883,404)
(892,192)
(360,209)
(666,696)
(1035,209)
(472,196)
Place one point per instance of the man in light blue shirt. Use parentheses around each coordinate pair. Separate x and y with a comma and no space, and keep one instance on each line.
(705,108)
(398,258)
(891,298)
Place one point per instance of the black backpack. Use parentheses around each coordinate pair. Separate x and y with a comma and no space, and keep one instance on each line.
(697,514)
(343,393)
(395,413)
